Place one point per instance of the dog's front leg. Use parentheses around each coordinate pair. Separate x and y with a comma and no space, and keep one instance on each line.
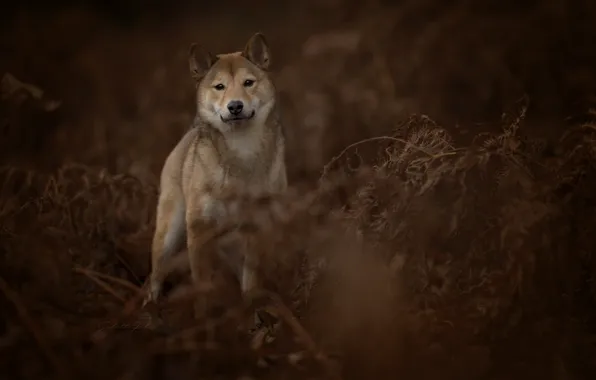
(202,216)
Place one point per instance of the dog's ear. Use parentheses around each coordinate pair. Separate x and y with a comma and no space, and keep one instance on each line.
(200,61)
(257,51)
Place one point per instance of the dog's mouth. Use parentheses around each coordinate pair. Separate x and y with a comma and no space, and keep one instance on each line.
(237,118)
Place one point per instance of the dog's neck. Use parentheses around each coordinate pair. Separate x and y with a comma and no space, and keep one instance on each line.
(247,141)
(250,138)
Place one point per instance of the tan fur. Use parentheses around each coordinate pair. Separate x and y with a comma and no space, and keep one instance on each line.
(218,153)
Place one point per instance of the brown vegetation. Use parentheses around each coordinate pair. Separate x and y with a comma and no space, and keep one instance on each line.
(406,248)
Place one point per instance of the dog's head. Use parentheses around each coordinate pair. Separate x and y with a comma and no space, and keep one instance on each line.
(234,89)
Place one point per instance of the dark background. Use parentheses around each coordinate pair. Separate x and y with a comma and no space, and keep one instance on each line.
(507,293)
(120,67)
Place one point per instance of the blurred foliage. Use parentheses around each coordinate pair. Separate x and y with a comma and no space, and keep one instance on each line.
(441,217)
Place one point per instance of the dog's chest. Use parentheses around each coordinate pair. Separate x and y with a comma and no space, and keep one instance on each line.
(248,167)
(244,148)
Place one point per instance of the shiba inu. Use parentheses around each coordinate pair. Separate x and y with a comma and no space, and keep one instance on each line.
(236,141)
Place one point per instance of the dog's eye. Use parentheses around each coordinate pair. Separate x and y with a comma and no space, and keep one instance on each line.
(248,82)
(219,87)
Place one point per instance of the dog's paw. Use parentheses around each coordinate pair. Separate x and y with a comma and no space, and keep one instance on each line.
(153,292)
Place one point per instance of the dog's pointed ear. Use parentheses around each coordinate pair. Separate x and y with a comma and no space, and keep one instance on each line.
(257,51)
(199,61)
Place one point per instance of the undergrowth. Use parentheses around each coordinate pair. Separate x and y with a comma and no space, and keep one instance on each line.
(392,264)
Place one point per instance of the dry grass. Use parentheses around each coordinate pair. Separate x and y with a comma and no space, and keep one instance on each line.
(388,269)
(405,248)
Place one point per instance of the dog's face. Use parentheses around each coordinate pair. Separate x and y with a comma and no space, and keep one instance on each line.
(234,89)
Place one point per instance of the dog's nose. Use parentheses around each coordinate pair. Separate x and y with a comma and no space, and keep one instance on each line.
(235,107)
